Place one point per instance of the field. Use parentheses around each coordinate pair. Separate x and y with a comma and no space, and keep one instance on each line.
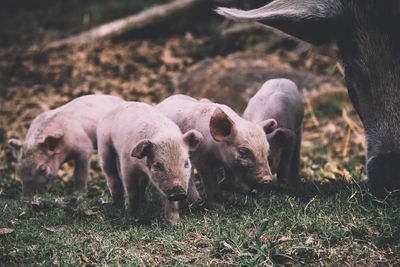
(330,219)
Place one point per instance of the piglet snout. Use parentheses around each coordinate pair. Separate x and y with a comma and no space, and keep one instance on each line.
(265,180)
(177,193)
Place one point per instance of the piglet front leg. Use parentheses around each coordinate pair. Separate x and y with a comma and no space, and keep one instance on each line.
(135,187)
(171,210)
(81,171)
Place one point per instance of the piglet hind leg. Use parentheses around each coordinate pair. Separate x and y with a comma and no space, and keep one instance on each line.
(171,210)
(284,169)
(295,164)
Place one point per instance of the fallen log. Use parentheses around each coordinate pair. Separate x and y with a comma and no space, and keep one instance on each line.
(143,19)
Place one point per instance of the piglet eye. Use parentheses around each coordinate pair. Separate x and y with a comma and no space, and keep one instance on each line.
(158,166)
(187,164)
(42,170)
(244,152)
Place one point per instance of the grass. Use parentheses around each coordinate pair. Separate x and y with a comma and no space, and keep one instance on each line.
(329,109)
(330,223)
(330,219)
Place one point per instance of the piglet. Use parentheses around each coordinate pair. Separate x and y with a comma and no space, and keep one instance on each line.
(136,144)
(236,144)
(279,99)
(56,136)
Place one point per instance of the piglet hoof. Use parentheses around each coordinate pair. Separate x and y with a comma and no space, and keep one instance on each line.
(79,192)
(172,219)
(80,188)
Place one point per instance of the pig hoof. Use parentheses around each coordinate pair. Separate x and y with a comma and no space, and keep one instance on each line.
(80,188)
(172,219)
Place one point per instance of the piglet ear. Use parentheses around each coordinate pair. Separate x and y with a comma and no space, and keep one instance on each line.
(142,149)
(283,137)
(268,125)
(15,143)
(222,128)
(53,141)
(193,139)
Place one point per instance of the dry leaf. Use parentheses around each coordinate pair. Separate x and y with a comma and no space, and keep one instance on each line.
(51,229)
(309,240)
(285,238)
(34,247)
(14,221)
(227,245)
(4,231)
(90,212)
(54,228)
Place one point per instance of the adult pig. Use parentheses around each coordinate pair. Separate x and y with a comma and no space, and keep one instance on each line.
(56,136)
(136,144)
(366,32)
(279,99)
(230,141)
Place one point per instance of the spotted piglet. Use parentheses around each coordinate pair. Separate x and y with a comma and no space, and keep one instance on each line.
(137,144)
(279,99)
